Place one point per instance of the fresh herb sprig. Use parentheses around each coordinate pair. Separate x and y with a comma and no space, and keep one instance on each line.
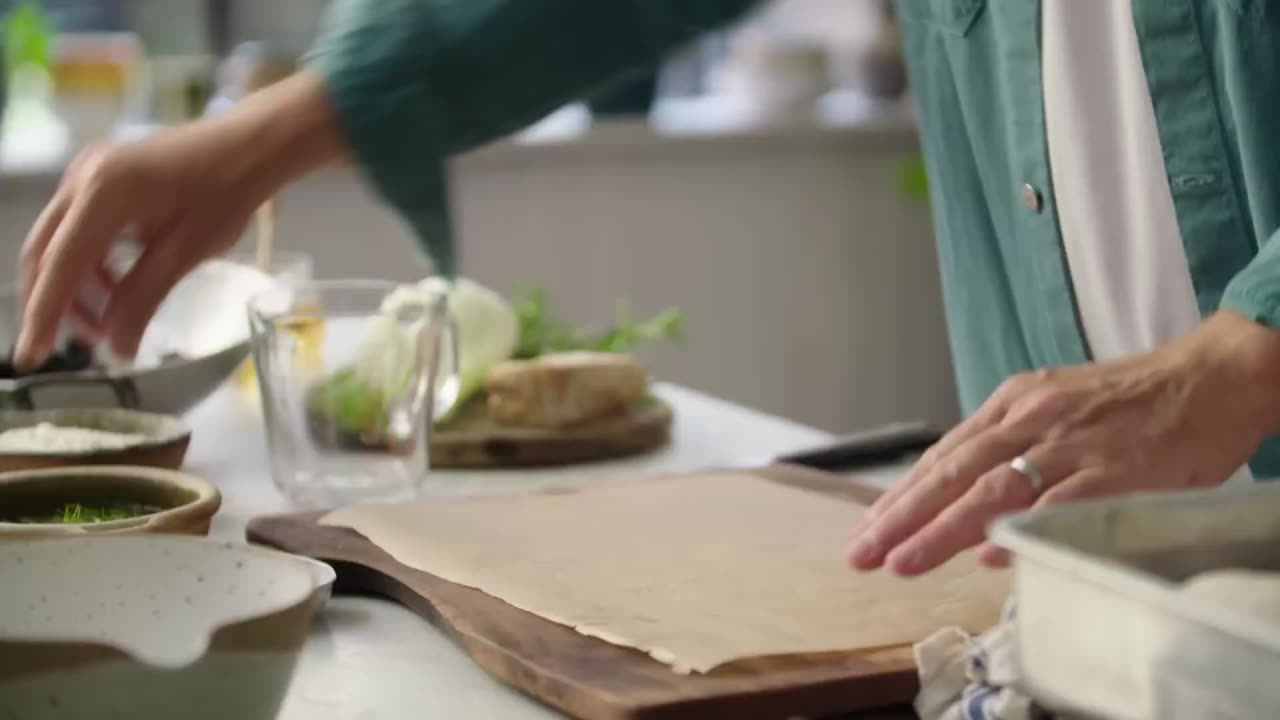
(77,514)
(542,332)
(348,407)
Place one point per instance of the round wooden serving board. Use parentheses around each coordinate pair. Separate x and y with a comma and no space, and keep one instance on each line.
(474,440)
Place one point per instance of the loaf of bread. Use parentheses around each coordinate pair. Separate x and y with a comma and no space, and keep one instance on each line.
(564,389)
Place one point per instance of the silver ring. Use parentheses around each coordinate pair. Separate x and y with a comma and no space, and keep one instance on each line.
(1028,470)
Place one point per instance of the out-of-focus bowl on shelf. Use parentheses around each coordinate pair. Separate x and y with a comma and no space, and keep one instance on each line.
(152,627)
(197,339)
(168,502)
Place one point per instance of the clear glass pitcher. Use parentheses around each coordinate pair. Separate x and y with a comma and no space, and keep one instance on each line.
(351,387)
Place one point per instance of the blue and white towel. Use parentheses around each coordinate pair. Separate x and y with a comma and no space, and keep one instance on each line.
(972,678)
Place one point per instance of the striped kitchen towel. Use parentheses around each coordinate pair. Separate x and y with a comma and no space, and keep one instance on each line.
(972,678)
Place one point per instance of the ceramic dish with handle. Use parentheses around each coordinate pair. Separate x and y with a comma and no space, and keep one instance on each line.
(196,340)
(152,627)
(45,503)
(161,440)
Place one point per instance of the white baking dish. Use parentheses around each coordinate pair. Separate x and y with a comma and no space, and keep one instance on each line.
(1103,629)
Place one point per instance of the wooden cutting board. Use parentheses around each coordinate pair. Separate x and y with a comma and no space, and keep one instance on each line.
(589,678)
(474,440)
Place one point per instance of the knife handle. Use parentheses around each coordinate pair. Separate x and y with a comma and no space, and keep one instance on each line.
(877,446)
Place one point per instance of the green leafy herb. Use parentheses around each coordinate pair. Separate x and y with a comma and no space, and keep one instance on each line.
(350,404)
(541,332)
(28,37)
(77,514)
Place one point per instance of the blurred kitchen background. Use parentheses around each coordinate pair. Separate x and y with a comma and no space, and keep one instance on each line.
(765,179)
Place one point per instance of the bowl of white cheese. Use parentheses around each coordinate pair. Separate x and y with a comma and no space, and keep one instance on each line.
(33,439)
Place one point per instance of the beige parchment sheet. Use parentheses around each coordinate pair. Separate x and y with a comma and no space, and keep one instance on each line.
(695,571)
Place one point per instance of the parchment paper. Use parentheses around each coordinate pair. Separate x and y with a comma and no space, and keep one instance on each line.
(695,571)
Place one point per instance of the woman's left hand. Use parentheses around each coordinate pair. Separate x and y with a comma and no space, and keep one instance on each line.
(1186,415)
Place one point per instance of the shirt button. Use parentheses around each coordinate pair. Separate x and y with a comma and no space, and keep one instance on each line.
(1031,199)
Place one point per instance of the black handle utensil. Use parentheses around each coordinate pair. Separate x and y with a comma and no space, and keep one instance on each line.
(877,446)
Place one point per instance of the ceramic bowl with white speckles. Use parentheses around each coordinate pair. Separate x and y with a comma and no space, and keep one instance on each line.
(147,627)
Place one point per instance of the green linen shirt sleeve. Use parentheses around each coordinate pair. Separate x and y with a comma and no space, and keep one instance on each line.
(1255,291)
(416,81)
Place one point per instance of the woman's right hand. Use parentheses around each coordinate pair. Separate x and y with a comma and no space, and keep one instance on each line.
(183,195)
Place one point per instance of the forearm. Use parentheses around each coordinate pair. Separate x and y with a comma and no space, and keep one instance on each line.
(1254,295)
(284,132)
(1246,353)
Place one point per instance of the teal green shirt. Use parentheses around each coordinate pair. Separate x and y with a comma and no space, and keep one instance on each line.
(416,81)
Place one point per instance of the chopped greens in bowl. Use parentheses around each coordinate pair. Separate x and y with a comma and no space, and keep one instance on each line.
(77,514)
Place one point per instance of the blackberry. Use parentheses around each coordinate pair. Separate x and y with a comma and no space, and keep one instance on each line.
(73,357)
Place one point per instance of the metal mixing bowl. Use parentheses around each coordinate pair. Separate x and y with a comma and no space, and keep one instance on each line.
(197,339)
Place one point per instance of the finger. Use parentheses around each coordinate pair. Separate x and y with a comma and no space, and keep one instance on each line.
(963,524)
(141,291)
(993,556)
(947,481)
(1085,485)
(77,246)
(106,279)
(35,244)
(985,417)
(88,326)
(97,290)
(91,152)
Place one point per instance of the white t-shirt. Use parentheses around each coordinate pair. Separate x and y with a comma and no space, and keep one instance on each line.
(1133,287)
(1123,246)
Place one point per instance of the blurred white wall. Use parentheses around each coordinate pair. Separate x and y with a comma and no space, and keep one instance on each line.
(809,281)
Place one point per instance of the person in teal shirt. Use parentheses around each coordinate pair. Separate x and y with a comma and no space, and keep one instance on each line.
(1054,191)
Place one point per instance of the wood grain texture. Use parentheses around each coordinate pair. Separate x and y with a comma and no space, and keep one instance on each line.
(588,678)
(475,440)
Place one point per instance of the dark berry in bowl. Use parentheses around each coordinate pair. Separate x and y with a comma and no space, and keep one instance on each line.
(72,357)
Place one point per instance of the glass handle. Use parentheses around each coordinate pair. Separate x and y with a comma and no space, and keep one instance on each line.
(442,366)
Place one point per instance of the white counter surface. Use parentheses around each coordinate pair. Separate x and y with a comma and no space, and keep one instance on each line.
(369,659)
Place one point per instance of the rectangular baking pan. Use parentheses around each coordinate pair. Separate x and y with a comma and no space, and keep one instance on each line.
(1103,630)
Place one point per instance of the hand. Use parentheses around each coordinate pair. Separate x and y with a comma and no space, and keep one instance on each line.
(1187,415)
(185,195)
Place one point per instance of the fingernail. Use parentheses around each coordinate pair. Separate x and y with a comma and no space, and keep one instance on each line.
(864,552)
(993,556)
(906,563)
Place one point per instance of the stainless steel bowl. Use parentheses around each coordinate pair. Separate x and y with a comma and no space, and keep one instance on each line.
(198,338)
